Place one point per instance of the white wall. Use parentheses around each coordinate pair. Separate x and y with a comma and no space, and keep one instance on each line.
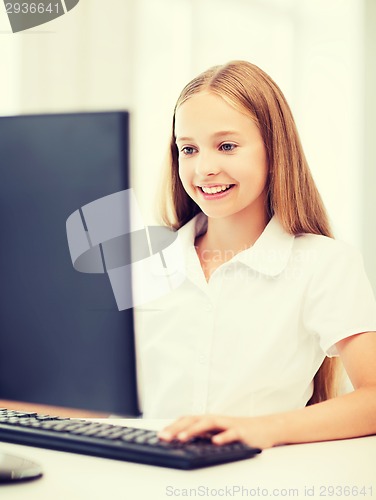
(137,55)
(10,66)
(368,219)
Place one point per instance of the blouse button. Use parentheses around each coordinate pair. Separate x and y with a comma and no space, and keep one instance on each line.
(202,359)
(198,408)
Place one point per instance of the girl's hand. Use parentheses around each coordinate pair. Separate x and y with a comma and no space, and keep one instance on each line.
(258,432)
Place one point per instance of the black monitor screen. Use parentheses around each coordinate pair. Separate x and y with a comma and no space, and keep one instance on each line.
(63,340)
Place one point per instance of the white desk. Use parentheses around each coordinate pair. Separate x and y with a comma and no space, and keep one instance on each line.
(298,468)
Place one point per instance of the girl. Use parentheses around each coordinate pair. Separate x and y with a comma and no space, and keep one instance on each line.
(248,339)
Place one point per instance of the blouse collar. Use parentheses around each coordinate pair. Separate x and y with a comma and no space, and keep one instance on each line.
(269,255)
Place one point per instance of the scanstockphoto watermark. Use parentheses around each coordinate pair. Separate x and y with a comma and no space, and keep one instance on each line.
(230,491)
(108,236)
(241,491)
(24,15)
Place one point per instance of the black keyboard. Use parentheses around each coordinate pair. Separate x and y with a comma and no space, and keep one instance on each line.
(115,441)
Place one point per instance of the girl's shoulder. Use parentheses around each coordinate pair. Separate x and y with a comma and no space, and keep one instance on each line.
(323,251)
(323,243)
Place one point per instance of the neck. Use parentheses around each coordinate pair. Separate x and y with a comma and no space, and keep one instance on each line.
(234,233)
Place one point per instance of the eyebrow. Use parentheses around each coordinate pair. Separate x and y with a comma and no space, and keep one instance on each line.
(222,133)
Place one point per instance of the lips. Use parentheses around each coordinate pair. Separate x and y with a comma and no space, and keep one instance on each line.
(215,189)
(215,192)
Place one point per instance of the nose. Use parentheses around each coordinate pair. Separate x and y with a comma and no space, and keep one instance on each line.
(206,164)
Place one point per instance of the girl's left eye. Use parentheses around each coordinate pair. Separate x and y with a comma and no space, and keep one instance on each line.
(227,146)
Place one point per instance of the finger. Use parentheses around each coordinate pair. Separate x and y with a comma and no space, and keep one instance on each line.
(225,437)
(171,431)
(202,426)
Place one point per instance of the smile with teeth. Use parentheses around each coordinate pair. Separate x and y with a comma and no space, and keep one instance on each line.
(215,189)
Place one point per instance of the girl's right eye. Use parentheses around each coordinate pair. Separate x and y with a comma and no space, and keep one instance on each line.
(187,150)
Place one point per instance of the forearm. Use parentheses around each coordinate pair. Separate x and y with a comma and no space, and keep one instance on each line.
(350,415)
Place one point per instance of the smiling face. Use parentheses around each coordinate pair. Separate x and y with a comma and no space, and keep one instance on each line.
(222,158)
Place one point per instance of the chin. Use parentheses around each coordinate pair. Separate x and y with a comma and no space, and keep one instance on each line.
(217,214)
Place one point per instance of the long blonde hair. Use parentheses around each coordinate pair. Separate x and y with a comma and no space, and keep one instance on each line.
(291,192)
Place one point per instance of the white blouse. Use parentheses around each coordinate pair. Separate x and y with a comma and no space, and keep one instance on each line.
(250,341)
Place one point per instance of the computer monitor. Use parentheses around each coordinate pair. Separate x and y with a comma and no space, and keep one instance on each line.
(63,340)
